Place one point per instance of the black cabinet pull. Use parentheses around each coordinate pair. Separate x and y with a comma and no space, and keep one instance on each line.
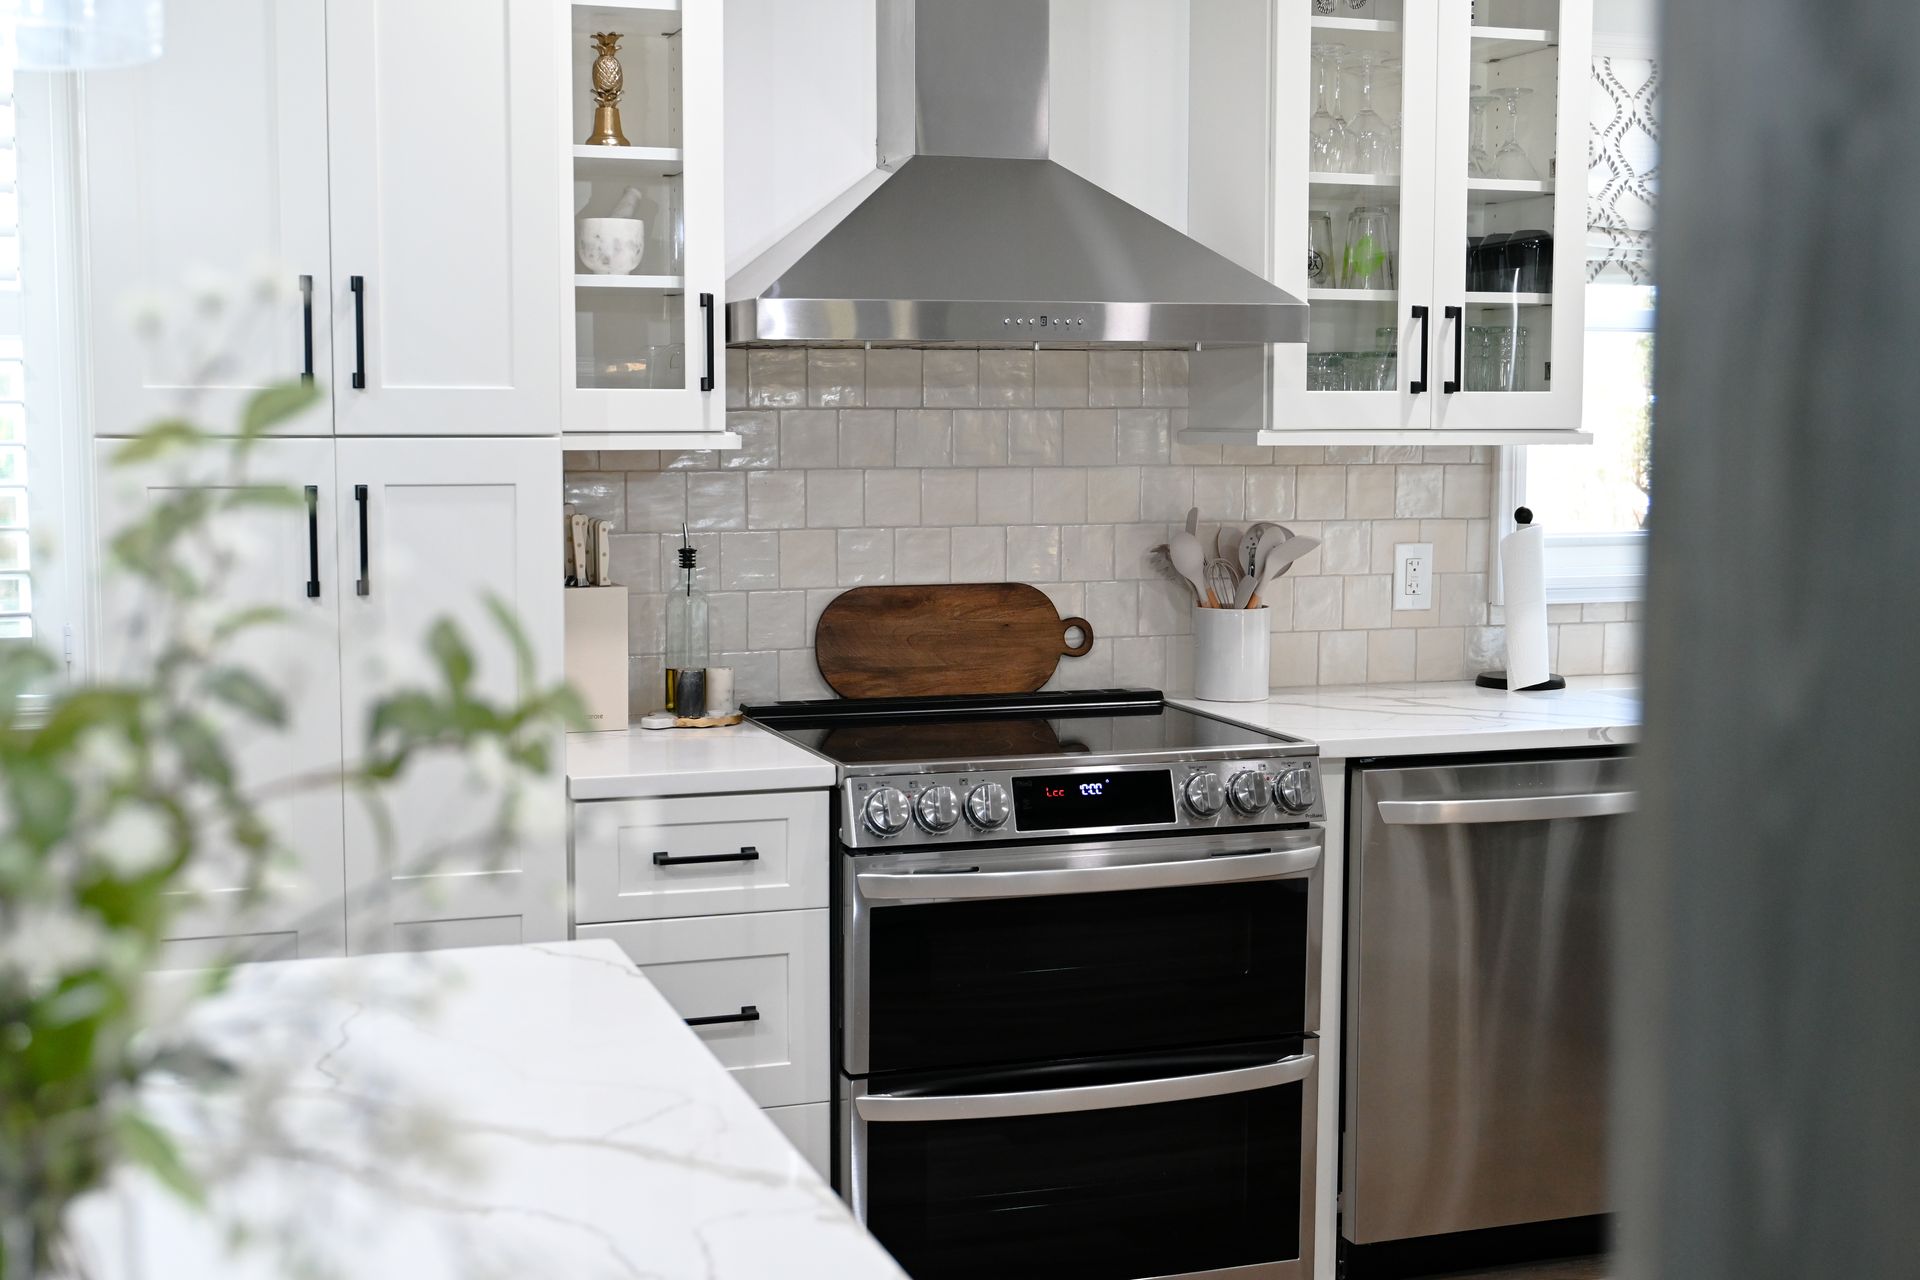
(748,1013)
(1418,386)
(306,312)
(364,587)
(748,853)
(313,542)
(359,286)
(706,305)
(1459,317)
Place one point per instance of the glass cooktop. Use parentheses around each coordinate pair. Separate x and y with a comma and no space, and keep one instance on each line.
(923,731)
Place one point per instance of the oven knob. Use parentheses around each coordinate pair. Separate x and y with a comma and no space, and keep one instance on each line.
(987,805)
(1249,791)
(887,812)
(1294,789)
(1204,794)
(937,809)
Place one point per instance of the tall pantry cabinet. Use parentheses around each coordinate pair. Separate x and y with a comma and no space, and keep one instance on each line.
(382,167)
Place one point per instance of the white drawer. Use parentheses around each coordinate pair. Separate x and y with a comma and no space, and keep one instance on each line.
(809,1127)
(625,852)
(715,966)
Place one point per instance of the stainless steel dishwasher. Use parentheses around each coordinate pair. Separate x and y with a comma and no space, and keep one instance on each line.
(1477,994)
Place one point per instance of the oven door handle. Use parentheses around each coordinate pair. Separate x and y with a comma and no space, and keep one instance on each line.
(876,1107)
(1454,813)
(1226,869)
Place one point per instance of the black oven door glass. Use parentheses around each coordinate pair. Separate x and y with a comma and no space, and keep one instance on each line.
(1162,1189)
(1081,975)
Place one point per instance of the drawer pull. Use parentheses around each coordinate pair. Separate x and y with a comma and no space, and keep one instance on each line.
(748,1013)
(748,853)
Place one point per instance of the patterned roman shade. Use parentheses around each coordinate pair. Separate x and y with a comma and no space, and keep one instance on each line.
(1623,170)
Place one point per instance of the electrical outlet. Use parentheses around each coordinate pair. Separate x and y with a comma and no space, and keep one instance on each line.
(1413,575)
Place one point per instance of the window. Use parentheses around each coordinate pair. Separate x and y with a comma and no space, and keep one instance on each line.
(1594,500)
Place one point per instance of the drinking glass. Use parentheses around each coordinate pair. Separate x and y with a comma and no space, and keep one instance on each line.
(1322,270)
(1329,127)
(1510,161)
(1371,143)
(1480,137)
(1479,373)
(1326,371)
(1323,7)
(1367,262)
(1386,338)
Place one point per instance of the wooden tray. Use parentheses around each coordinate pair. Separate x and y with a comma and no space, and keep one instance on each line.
(978,637)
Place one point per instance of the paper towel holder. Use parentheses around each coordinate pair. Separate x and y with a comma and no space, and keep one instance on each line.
(1497,679)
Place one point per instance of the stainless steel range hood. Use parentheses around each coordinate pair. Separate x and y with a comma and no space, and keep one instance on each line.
(969,234)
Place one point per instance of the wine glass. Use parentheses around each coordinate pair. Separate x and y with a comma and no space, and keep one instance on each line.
(1510,161)
(1371,148)
(1480,145)
(1329,128)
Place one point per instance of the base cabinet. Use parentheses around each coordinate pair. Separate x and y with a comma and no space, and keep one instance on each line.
(810,1129)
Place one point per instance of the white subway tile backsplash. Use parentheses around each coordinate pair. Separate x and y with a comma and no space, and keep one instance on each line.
(1059,468)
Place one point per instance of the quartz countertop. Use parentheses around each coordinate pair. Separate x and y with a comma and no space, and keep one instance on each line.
(503,1111)
(625,764)
(1349,721)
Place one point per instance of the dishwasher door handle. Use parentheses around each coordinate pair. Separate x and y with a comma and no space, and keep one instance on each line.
(877,1107)
(1455,813)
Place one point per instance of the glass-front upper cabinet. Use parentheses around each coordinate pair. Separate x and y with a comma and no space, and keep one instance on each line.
(1511,161)
(1409,182)
(646,260)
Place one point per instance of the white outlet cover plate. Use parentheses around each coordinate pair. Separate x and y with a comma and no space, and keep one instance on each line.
(1413,575)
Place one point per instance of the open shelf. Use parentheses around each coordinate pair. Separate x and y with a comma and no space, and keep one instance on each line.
(1494,44)
(1354,179)
(1353,295)
(616,163)
(1329,22)
(640,18)
(1509,299)
(660,283)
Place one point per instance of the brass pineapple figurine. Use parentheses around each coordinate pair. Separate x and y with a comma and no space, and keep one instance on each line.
(608,83)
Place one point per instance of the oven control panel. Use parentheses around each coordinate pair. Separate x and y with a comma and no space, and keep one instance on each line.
(1046,802)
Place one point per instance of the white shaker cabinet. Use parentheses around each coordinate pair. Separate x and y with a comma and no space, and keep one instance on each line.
(209,163)
(1417,345)
(283,559)
(431,529)
(441,120)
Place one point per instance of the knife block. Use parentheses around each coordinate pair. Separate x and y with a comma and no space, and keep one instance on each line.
(597,652)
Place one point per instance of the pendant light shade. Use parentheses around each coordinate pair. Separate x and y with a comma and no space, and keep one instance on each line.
(79,35)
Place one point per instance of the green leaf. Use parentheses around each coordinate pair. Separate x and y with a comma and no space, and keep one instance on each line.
(276,497)
(248,694)
(451,652)
(516,635)
(277,404)
(247,619)
(161,437)
(146,1145)
(42,798)
(201,750)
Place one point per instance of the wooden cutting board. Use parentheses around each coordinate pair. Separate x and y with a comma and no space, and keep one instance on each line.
(977,637)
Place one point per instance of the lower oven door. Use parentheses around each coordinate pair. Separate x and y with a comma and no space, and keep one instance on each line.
(997,956)
(1198,1164)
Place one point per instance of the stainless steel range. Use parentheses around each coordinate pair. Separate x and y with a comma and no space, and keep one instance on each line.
(1077,962)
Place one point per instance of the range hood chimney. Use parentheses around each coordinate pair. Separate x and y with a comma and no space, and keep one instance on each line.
(969,234)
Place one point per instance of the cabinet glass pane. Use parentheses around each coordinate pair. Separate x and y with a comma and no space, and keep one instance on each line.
(1511,187)
(1354,222)
(629,225)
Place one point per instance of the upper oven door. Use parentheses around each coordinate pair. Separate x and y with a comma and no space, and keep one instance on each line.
(977,956)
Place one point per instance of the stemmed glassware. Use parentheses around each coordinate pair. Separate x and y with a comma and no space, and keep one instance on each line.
(1330,137)
(1480,137)
(1371,144)
(1510,161)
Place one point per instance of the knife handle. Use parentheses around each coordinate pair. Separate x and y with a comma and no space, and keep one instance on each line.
(603,553)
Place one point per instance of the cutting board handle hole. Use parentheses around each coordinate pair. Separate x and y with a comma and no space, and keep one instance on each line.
(1079,649)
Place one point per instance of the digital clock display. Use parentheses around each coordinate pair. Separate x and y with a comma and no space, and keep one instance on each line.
(1055,802)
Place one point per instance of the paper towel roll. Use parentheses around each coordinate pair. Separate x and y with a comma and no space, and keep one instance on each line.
(1523,571)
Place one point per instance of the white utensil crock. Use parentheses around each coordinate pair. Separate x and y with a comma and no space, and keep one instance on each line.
(1230,649)
(612,246)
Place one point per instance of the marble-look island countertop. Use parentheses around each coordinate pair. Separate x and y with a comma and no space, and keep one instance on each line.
(535,1111)
(621,765)
(1350,721)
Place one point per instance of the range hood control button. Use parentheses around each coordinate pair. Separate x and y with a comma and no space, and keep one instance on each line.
(1205,793)
(886,812)
(937,809)
(987,806)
